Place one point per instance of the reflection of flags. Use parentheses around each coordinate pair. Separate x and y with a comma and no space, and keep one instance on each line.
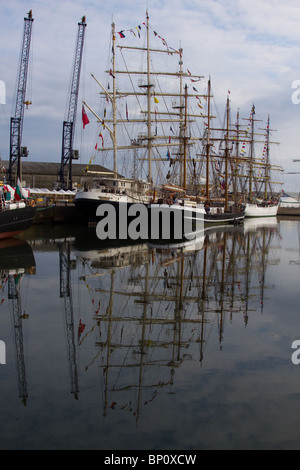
(85,119)
(127,113)
(81,328)
(156,100)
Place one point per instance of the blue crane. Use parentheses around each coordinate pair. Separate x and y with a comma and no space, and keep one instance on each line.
(68,154)
(16,122)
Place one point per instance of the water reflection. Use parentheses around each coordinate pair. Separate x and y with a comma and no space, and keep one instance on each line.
(16,263)
(153,306)
(136,313)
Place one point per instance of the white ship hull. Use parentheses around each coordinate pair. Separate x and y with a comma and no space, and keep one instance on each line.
(256,210)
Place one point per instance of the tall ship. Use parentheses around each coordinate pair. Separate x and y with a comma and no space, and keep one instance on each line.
(146,123)
(262,198)
(203,193)
(127,124)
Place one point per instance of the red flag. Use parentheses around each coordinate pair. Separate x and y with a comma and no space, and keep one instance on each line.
(100,135)
(85,119)
(81,328)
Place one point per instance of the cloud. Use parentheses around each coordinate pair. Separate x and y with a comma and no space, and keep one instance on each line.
(249,48)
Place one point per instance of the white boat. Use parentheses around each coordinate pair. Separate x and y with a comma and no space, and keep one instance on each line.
(262,199)
(288,205)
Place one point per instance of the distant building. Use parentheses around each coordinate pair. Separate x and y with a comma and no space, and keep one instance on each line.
(45,174)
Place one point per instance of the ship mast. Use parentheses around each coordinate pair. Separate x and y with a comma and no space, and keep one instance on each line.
(149,86)
(185,138)
(208,141)
(114,132)
(226,155)
(251,153)
(149,140)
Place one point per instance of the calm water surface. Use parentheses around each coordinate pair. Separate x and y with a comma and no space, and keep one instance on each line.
(151,347)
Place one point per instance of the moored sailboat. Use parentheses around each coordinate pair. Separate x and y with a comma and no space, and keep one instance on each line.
(16,212)
(118,190)
(205,207)
(262,202)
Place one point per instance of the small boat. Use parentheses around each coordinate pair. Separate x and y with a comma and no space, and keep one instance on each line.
(15,215)
(288,205)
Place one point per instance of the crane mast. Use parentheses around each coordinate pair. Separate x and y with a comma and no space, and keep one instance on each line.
(65,265)
(15,297)
(16,122)
(67,154)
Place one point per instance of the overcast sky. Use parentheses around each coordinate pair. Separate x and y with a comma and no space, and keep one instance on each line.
(251,48)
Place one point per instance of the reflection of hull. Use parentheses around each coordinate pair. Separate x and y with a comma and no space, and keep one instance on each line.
(188,245)
(15,221)
(252,224)
(256,210)
(108,254)
(114,257)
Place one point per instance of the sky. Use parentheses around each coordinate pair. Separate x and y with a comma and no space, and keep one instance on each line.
(251,49)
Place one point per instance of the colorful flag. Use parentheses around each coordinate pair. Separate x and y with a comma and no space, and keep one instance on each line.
(18,192)
(100,135)
(85,119)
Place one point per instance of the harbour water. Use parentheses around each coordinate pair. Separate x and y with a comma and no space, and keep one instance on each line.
(154,347)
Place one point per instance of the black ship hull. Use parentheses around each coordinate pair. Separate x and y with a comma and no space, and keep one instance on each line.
(224,218)
(14,221)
